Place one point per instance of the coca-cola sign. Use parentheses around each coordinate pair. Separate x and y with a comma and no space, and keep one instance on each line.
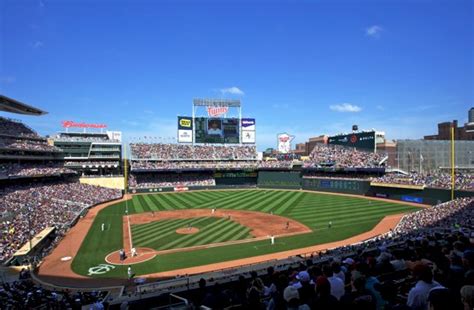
(72,124)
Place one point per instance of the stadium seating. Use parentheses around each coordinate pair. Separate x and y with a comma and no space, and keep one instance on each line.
(437,179)
(324,155)
(188,152)
(43,205)
(170,180)
(15,128)
(9,170)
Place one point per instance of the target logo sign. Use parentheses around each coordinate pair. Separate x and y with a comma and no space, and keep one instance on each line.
(353,139)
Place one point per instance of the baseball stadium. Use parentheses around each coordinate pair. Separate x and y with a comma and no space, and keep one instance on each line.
(262,155)
(147,223)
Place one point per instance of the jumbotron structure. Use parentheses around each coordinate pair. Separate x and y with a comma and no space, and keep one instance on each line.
(208,223)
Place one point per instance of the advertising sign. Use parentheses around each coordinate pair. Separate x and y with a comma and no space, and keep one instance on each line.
(412,199)
(185,129)
(185,122)
(185,136)
(248,136)
(248,130)
(72,124)
(360,140)
(115,135)
(216,111)
(248,124)
(284,142)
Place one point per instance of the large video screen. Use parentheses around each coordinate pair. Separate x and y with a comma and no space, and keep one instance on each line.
(362,140)
(216,130)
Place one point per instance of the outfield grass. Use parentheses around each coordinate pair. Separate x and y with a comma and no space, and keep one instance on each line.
(349,216)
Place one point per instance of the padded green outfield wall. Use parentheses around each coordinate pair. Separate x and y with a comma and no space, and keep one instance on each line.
(430,196)
(279,179)
(355,187)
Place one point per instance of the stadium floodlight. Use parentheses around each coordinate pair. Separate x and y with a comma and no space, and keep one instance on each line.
(232,103)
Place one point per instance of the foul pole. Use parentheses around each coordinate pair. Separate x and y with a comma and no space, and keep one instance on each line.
(453,181)
(125,183)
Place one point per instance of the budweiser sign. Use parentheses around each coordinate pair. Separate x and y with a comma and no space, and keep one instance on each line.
(71,124)
(217,111)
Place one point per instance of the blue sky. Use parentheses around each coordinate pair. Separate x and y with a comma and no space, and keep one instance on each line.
(304,67)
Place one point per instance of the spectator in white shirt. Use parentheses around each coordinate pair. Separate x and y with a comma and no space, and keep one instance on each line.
(337,286)
(418,295)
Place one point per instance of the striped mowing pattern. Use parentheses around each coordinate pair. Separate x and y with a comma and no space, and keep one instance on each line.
(313,210)
(161,235)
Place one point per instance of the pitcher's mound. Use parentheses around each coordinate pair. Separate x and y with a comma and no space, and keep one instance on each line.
(187,231)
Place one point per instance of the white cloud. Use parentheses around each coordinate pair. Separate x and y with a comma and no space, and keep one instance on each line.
(232,90)
(345,107)
(374,31)
(38,44)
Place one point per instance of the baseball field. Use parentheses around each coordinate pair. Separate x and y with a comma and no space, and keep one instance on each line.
(180,230)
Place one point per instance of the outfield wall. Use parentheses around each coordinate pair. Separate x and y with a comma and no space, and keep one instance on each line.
(430,196)
(293,180)
(279,179)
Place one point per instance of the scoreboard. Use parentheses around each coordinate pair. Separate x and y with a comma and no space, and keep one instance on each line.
(217,130)
(361,140)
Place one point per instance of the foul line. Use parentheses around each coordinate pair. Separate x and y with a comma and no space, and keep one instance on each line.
(129,232)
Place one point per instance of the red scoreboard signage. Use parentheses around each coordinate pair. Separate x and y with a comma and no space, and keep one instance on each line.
(71,124)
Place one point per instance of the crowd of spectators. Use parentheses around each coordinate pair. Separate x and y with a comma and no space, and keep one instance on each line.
(42,205)
(324,155)
(463,181)
(204,164)
(427,262)
(276,164)
(15,128)
(25,294)
(25,144)
(182,151)
(208,164)
(336,176)
(170,180)
(29,170)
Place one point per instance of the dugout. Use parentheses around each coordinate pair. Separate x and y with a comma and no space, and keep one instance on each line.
(33,247)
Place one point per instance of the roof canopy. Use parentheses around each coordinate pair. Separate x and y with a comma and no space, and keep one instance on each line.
(13,106)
